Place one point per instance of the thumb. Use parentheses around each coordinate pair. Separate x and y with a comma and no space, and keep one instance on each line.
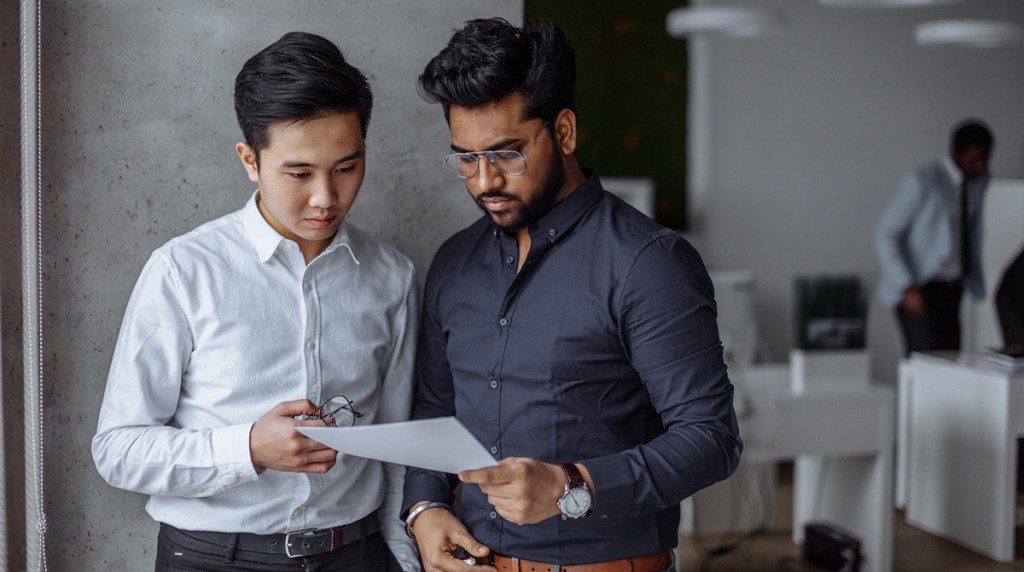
(476,549)
(472,545)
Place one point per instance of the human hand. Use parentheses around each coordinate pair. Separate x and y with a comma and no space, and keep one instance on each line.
(438,534)
(522,491)
(275,444)
(913,302)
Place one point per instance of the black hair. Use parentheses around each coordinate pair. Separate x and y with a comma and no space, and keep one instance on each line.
(490,59)
(300,76)
(971,133)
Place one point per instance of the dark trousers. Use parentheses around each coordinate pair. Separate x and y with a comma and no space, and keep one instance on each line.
(178,551)
(939,327)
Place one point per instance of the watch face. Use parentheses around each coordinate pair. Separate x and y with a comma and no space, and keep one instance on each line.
(575,503)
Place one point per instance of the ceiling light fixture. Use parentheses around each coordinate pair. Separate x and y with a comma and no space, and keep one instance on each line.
(968,33)
(733,21)
(870,4)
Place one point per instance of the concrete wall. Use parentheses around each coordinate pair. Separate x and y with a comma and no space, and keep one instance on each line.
(138,141)
(12,504)
(803,135)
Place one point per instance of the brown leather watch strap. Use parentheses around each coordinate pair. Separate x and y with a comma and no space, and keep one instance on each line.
(573,476)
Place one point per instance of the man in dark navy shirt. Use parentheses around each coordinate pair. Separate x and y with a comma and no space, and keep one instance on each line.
(573,336)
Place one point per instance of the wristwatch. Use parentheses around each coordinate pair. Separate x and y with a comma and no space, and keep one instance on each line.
(576,500)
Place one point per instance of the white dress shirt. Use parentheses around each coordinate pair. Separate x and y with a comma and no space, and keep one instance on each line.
(226,322)
(952,268)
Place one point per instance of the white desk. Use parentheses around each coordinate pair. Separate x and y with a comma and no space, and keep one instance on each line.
(842,441)
(957,458)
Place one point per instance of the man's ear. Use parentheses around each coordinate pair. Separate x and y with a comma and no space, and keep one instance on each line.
(565,131)
(248,157)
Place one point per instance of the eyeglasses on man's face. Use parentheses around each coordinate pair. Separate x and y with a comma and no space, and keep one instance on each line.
(338,411)
(509,162)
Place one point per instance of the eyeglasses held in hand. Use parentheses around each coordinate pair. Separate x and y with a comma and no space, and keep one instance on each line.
(509,162)
(338,411)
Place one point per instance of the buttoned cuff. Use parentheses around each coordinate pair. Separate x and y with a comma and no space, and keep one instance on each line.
(231,454)
(614,486)
(423,485)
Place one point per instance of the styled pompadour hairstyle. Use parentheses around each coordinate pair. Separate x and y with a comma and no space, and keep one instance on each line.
(490,59)
(300,76)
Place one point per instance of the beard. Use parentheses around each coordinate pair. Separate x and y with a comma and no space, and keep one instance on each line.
(530,210)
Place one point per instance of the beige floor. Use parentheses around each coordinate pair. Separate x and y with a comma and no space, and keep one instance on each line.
(773,550)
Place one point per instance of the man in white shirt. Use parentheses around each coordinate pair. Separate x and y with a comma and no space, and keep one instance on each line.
(238,331)
(928,241)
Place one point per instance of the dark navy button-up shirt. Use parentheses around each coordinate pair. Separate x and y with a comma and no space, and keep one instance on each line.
(603,349)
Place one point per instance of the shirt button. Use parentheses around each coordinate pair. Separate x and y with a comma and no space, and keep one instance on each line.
(510,259)
(551,232)
(494,514)
(494,384)
(311,345)
(494,450)
(503,322)
(307,286)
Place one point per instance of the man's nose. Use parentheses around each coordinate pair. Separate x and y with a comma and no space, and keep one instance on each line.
(323,194)
(488,177)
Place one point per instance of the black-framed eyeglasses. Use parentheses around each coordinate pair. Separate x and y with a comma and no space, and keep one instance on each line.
(509,162)
(338,411)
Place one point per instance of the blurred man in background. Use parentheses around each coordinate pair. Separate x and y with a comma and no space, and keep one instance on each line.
(928,241)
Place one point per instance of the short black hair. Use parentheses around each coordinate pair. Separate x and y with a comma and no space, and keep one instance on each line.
(971,133)
(490,59)
(300,76)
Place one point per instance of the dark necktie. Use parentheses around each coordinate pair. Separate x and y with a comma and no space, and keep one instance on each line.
(965,233)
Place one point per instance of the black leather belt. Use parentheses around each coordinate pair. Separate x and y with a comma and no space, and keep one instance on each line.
(293,544)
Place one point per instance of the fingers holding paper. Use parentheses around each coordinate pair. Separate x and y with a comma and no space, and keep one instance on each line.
(521,490)
(275,444)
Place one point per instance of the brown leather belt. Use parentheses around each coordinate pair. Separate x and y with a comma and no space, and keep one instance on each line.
(650,563)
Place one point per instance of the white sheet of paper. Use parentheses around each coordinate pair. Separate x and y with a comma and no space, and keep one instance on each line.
(440,444)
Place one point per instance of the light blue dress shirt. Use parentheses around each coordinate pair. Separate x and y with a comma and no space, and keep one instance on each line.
(915,237)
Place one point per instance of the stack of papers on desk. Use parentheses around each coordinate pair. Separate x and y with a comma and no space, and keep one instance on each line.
(995,359)
(440,444)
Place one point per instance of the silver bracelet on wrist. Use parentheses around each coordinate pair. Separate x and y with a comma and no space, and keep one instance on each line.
(414,513)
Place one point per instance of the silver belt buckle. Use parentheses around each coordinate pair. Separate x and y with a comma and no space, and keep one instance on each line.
(299,535)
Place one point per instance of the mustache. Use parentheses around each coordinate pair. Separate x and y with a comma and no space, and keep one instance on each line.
(495,195)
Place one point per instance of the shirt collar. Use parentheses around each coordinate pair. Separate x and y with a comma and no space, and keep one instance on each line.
(955,174)
(266,240)
(564,214)
(263,236)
